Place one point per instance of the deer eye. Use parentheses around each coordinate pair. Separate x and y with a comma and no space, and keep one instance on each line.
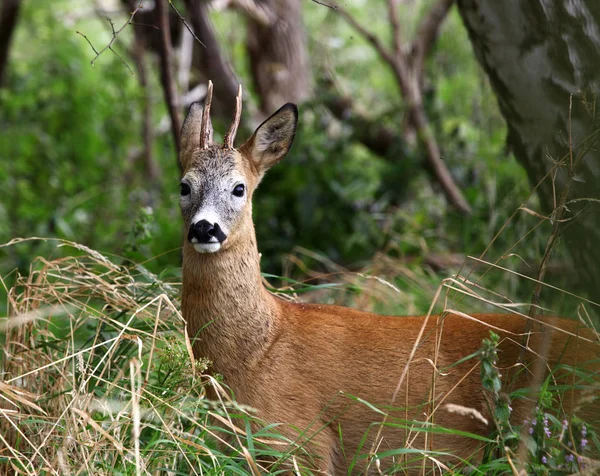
(185,189)
(238,190)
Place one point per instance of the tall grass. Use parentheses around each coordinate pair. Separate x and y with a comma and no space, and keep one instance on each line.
(98,377)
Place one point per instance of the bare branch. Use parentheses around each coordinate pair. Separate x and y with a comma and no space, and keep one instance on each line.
(89,42)
(166,74)
(427,35)
(121,58)
(411,93)
(367,35)
(333,7)
(115,35)
(185,23)
(373,134)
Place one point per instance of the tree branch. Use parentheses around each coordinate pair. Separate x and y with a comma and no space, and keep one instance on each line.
(139,47)
(213,62)
(376,137)
(166,74)
(9,13)
(258,12)
(427,35)
(115,35)
(411,92)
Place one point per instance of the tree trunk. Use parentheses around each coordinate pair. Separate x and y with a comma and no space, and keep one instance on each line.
(277,50)
(212,62)
(9,13)
(537,53)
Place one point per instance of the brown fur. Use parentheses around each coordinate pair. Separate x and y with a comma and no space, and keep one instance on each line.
(298,364)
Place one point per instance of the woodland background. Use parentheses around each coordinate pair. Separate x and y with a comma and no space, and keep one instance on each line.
(430,130)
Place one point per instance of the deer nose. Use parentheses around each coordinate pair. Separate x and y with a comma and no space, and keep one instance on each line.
(206,232)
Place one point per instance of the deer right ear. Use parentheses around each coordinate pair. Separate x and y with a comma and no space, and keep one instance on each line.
(190,133)
(272,139)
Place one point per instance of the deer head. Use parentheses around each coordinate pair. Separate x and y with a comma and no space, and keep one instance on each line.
(219,180)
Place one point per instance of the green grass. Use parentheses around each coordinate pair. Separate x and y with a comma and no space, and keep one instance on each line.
(98,378)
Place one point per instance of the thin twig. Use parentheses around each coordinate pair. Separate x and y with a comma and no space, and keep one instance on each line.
(122,60)
(333,7)
(185,23)
(89,42)
(144,24)
(115,35)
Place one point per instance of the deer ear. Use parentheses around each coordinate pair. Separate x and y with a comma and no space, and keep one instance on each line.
(190,133)
(272,139)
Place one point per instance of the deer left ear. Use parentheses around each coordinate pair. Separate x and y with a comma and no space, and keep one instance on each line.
(272,139)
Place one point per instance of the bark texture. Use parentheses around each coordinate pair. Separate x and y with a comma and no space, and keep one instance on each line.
(537,53)
(277,51)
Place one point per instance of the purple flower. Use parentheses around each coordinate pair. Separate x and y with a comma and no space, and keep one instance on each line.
(534,422)
(570,458)
(544,460)
(583,431)
(530,431)
(565,423)
(547,431)
(584,443)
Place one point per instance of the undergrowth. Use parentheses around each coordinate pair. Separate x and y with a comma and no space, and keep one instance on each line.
(99,378)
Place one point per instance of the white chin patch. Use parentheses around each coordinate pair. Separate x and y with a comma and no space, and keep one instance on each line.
(207,247)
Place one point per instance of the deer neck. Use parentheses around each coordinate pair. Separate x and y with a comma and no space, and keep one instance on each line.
(231,317)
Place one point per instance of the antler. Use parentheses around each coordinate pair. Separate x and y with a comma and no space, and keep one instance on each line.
(206,129)
(230,136)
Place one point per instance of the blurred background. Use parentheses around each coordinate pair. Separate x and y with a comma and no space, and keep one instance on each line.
(430,131)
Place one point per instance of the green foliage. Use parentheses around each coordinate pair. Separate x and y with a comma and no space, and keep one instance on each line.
(72,161)
(326,196)
(492,382)
(556,443)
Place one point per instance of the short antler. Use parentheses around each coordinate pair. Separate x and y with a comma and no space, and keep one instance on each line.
(206,130)
(230,136)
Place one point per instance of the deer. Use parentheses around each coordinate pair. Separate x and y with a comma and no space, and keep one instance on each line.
(325,373)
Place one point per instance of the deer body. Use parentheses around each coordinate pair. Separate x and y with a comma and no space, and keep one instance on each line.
(301,365)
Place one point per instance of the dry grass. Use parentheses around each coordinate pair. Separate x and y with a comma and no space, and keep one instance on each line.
(96,379)
(97,374)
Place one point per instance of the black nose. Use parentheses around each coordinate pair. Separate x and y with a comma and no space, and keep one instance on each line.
(204,232)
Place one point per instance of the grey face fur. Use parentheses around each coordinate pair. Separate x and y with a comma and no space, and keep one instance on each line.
(214,211)
(212,181)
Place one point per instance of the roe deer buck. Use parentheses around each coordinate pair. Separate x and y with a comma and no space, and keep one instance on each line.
(296,364)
